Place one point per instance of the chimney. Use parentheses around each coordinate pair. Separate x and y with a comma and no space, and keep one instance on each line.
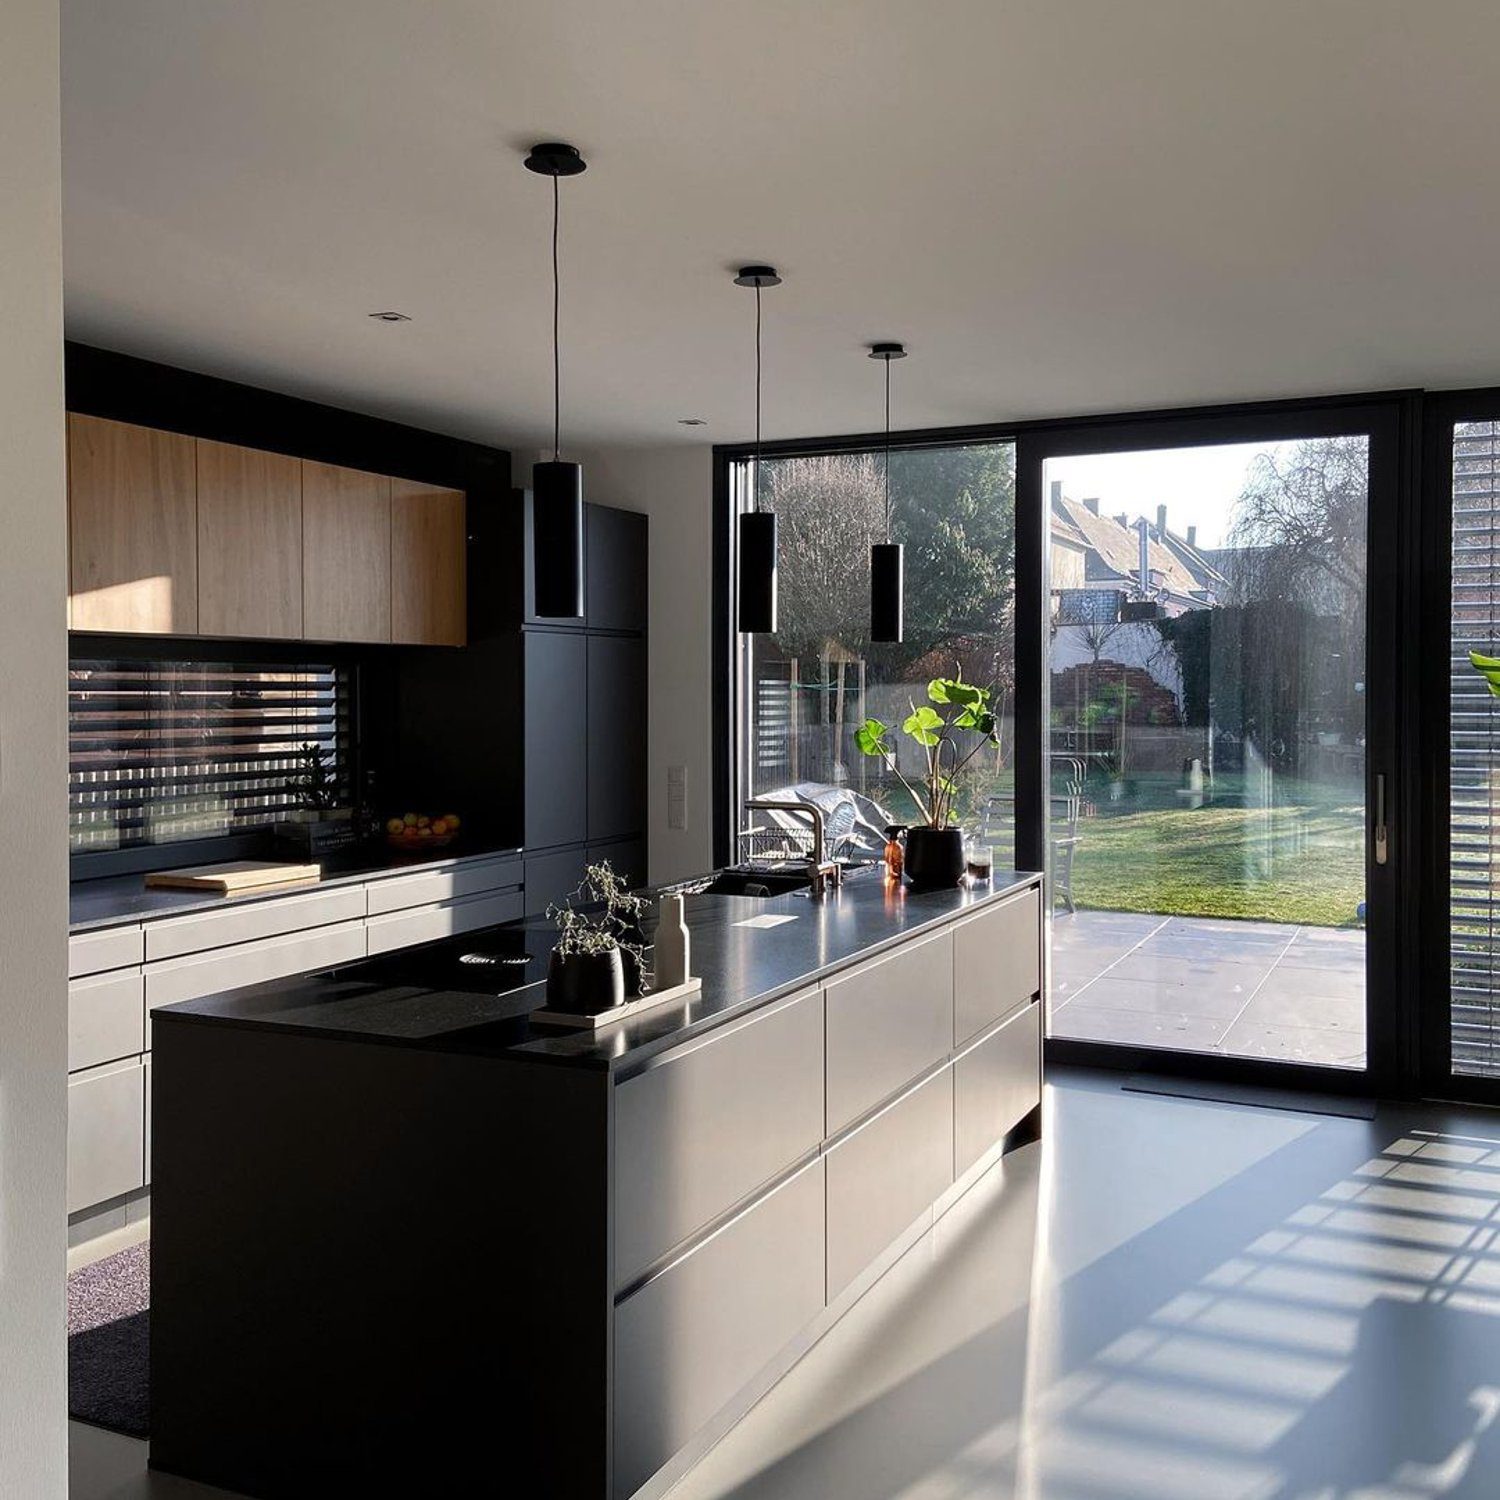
(1057,491)
(1143,564)
(1161,520)
(1092,505)
(1123,520)
(1192,536)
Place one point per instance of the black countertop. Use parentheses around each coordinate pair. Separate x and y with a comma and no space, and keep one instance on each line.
(436,997)
(118,899)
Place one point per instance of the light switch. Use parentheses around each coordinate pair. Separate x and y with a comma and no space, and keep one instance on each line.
(676,796)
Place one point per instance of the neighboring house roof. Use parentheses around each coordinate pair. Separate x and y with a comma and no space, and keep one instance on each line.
(1115,551)
(1209,578)
(1064,531)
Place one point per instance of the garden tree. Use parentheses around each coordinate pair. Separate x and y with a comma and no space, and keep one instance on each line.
(828,510)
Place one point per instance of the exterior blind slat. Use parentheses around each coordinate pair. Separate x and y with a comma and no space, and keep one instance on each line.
(159,751)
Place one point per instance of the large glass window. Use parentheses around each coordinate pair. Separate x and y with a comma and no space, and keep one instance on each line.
(804,691)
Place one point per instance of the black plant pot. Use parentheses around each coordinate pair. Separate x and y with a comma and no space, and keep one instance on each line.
(584,984)
(934,857)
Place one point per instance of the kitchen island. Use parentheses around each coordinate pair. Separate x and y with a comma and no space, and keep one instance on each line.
(406,1241)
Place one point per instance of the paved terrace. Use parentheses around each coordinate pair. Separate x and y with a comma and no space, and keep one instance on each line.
(1244,989)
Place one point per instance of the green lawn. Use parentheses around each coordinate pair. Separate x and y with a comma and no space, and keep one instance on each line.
(1289,864)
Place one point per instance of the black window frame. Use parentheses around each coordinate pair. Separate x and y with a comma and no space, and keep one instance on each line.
(1401,508)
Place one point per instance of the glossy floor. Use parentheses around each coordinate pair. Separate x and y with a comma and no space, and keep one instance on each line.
(1165,1300)
(1244,989)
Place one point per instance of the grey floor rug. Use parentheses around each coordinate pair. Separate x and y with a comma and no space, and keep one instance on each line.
(108,1348)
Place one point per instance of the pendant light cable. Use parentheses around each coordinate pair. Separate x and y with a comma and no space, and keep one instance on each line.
(887,450)
(756,496)
(556,340)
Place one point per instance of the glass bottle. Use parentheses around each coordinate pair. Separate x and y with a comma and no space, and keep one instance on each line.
(895,851)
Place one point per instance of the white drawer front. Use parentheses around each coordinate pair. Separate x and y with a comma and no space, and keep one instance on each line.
(454,882)
(109,948)
(106,1128)
(689,1340)
(995,1085)
(701,1130)
(106,1020)
(884,1175)
(172,937)
(888,1021)
(997,963)
(251,963)
(425,924)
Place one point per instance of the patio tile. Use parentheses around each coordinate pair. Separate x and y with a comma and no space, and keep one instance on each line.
(1087,1023)
(1306,1044)
(1220,945)
(1322,1012)
(1211,1002)
(1236,976)
(1347,983)
(1324,953)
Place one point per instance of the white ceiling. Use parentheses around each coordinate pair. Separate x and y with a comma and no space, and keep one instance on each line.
(1060,205)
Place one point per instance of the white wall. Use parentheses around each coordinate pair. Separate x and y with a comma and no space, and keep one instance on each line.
(674,486)
(33,814)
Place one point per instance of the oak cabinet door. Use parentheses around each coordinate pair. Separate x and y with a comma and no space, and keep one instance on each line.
(346,554)
(429,604)
(133,528)
(249,542)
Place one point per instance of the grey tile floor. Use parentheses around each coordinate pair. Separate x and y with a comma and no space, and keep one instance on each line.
(1163,1299)
(1243,989)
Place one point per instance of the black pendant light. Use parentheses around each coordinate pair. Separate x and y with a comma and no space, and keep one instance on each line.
(887,566)
(557,487)
(757,534)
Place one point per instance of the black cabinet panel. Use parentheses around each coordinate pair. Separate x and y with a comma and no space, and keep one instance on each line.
(627,857)
(616,550)
(616,737)
(552,876)
(557,738)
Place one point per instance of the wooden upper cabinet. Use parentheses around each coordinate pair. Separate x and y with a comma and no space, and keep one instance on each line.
(346,554)
(249,542)
(133,528)
(428,565)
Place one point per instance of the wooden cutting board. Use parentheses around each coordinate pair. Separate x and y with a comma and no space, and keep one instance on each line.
(228,879)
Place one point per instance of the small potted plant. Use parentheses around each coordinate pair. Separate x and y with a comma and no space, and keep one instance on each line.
(934,848)
(598,958)
(318,826)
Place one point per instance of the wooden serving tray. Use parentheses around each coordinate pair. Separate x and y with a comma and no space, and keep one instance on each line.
(565,1020)
(228,879)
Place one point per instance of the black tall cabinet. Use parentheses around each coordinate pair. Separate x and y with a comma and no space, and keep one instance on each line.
(584,692)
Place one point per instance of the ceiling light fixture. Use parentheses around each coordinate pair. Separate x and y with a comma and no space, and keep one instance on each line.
(557,487)
(887,570)
(692,421)
(389,317)
(757,530)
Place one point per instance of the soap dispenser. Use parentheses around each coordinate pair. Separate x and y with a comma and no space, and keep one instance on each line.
(671,961)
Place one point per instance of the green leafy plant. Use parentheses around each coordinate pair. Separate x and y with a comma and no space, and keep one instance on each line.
(953,707)
(314,786)
(1488,668)
(601,914)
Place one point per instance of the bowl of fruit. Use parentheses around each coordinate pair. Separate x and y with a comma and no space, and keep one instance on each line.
(417,831)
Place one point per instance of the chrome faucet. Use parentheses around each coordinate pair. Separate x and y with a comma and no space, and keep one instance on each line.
(824,873)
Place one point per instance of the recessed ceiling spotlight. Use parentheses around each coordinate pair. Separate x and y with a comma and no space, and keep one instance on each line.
(692,421)
(390,317)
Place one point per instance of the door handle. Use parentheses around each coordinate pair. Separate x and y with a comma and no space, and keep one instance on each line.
(1382,832)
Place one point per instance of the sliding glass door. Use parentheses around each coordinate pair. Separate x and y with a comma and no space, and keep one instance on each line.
(1217,740)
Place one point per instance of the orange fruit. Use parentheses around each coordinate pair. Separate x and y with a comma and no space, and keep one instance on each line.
(395,825)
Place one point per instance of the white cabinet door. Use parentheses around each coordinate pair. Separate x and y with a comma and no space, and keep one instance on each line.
(106,1020)
(996,1084)
(451,883)
(251,920)
(106,1133)
(888,1021)
(695,1335)
(886,1175)
(710,1123)
(424,924)
(997,963)
(108,948)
